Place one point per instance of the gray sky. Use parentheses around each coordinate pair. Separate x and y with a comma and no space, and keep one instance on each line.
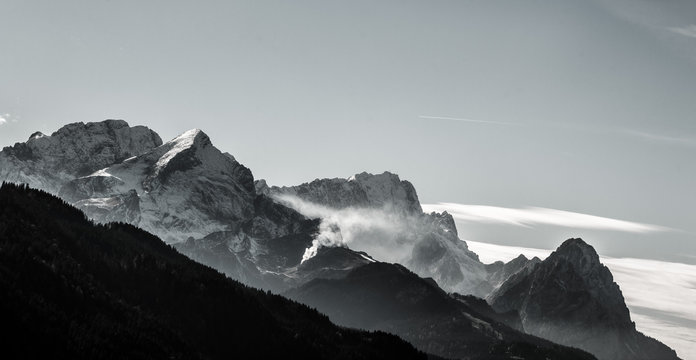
(586,106)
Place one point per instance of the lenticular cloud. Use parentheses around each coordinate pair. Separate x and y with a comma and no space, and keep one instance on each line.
(530,216)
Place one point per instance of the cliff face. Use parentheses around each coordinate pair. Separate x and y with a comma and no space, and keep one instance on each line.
(360,190)
(571,298)
(48,162)
(185,187)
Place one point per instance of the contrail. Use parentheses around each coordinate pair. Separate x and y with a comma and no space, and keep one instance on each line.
(686,141)
(465,120)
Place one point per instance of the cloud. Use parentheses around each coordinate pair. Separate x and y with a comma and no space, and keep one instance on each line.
(385,234)
(684,141)
(428,117)
(529,216)
(5,118)
(689,30)
(660,295)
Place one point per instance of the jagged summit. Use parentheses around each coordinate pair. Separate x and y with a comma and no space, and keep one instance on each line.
(387,188)
(571,298)
(190,138)
(499,272)
(520,257)
(74,150)
(185,188)
(576,244)
(366,176)
(577,252)
(360,190)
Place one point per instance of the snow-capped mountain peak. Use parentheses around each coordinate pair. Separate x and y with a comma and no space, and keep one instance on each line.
(185,188)
(190,138)
(49,161)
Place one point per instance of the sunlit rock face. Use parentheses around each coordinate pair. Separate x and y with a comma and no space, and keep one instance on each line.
(571,298)
(48,162)
(186,188)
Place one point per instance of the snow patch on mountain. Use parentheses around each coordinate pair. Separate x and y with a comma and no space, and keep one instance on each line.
(179,144)
(185,187)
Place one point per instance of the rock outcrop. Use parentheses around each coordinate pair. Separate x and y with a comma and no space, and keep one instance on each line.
(571,298)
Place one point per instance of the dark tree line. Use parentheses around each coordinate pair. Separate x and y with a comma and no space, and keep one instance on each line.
(72,289)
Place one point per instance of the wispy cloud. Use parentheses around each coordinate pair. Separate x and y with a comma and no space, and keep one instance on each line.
(529,216)
(661,295)
(429,117)
(675,140)
(5,118)
(383,233)
(689,30)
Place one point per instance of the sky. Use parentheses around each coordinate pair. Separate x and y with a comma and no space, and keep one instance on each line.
(578,106)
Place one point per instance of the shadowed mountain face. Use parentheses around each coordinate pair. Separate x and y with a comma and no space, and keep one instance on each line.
(71,289)
(571,298)
(391,298)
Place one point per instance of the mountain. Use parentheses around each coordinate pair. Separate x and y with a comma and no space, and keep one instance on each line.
(185,191)
(360,190)
(73,289)
(571,298)
(389,297)
(185,187)
(48,162)
(435,248)
(205,202)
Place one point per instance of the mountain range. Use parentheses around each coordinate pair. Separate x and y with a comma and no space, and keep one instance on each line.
(360,249)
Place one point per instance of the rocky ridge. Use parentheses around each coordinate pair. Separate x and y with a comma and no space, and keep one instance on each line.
(571,298)
(49,161)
